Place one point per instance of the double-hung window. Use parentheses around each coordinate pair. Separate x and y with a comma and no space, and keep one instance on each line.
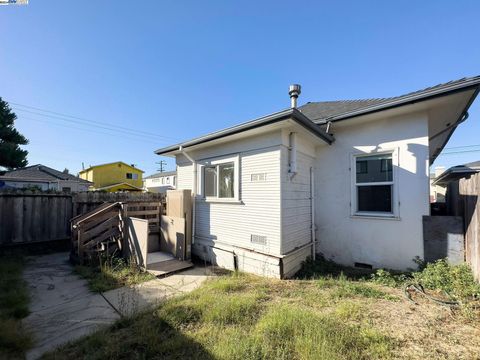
(374,190)
(220,179)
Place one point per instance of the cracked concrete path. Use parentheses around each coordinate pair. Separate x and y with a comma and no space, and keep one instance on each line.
(129,301)
(63,309)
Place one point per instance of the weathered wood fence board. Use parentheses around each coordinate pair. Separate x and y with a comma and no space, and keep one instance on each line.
(469,193)
(34,218)
(28,217)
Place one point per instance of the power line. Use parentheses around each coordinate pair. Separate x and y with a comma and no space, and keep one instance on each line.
(62,116)
(462,147)
(152,137)
(459,152)
(150,141)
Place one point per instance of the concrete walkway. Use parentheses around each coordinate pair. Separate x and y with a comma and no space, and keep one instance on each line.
(63,308)
(131,300)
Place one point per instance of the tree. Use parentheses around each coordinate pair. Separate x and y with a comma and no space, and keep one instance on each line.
(11,155)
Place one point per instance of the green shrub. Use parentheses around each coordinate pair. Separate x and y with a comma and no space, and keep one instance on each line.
(456,280)
(388,278)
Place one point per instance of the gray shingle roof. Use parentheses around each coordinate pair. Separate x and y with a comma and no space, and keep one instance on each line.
(322,111)
(40,172)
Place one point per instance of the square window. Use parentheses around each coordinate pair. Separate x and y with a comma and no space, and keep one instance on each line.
(374,184)
(220,179)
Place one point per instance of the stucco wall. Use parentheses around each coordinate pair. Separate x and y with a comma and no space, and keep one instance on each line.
(381,242)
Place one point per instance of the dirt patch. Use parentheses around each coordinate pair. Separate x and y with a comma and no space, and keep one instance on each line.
(425,331)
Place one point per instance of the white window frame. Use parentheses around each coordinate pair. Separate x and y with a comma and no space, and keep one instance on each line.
(236,178)
(395,214)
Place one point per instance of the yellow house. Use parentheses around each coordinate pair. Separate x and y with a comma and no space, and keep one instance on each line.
(111,177)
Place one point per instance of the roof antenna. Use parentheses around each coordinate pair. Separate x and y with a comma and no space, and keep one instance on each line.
(294,90)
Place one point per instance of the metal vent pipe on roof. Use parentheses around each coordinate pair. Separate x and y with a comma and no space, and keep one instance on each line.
(294,90)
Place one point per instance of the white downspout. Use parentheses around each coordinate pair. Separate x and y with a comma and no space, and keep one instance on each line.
(194,190)
(312,211)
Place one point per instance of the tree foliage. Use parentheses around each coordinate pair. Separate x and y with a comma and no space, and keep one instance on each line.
(11,155)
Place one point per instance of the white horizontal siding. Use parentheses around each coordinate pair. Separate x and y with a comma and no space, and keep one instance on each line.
(296,203)
(184,176)
(259,211)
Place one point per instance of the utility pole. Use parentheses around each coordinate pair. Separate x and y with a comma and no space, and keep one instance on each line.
(162,164)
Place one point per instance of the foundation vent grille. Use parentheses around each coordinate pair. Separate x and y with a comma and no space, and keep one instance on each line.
(258,239)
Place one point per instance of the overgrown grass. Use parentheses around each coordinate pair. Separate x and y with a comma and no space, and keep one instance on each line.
(327,313)
(240,317)
(111,274)
(14,301)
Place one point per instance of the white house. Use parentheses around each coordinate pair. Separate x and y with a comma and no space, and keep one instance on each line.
(44,178)
(160,182)
(345,179)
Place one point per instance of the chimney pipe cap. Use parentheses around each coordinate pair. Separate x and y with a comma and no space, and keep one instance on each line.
(294,90)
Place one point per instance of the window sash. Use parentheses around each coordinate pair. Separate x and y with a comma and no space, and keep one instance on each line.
(210,190)
(226,187)
(391,188)
(393,192)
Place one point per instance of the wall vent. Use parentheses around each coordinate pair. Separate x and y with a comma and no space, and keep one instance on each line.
(363,265)
(258,239)
(259,177)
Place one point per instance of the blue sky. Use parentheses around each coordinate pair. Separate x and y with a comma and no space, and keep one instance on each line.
(173,70)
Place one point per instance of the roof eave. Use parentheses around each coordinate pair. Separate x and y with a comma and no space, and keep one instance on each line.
(293,113)
(408,100)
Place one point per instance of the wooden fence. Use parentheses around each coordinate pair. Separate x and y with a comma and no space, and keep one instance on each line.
(469,198)
(29,217)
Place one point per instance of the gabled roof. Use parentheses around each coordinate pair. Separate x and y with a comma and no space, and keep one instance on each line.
(324,111)
(112,163)
(457,172)
(161,174)
(293,114)
(40,172)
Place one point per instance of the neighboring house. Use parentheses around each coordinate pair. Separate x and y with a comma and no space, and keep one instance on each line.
(456,172)
(160,182)
(44,178)
(346,179)
(449,182)
(112,177)
(437,192)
